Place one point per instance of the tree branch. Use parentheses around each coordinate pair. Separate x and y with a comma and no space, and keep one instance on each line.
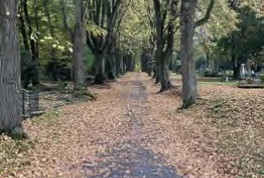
(90,42)
(65,22)
(207,15)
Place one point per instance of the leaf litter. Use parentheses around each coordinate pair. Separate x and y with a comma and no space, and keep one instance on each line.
(221,136)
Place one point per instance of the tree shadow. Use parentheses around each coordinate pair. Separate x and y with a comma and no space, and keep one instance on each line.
(129,160)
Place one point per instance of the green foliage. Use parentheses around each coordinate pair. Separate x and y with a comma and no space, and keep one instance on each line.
(244,41)
(135,31)
(47,118)
(94,29)
(55,50)
(89,60)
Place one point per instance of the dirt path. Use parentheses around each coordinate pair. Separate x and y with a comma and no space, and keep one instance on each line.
(128,132)
(129,157)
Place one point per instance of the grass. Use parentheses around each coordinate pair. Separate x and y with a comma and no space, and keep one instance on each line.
(46,117)
(230,83)
(206,80)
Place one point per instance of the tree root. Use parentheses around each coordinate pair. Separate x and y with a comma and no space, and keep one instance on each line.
(84,93)
(17,134)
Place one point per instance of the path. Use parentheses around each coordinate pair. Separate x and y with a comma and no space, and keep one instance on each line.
(127,133)
(130,158)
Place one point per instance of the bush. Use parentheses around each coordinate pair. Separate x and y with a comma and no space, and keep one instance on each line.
(261,77)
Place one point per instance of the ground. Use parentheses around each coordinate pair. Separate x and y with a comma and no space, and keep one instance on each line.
(133,131)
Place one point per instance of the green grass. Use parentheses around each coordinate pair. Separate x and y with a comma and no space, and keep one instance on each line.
(208,80)
(47,118)
(230,83)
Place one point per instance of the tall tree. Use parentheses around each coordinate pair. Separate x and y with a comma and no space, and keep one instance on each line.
(78,44)
(165,15)
(52,34)
(188,25)
(104,17)
(31,39)
(10,99)
(77,38)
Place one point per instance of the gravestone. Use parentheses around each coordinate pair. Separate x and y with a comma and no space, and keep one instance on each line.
(243,71)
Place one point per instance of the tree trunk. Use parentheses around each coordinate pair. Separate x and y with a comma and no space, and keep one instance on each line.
(52,50)
(34,78)
(165,59)
(22,27)
(189,83)
(157,65)
(111,67)
(149,70)
(100,76)
(131,63)
(122,70)
(125,66)
(10,86)
(236,69)
(164,74)
(78,36)
(118,58)
(207,60)
(143,62)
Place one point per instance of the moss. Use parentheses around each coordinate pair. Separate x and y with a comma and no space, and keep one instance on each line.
(47,117)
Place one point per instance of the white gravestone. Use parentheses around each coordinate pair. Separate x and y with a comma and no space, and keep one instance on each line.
(243,70)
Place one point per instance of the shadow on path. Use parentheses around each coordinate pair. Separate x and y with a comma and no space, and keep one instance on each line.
(129,160)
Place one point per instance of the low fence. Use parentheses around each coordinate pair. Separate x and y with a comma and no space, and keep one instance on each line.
(30,103)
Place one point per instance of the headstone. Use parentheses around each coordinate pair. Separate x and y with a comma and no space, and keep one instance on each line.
(226,76)
(242,71)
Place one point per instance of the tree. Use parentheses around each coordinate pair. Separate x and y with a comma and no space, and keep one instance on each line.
(188,25)
(165,15)
(222,21)
(77,37)
(78,42)
(133,37)
(10,97)
(30,71)
(244,41)
(103,23)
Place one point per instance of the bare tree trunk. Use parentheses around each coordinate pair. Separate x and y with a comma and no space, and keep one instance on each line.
(118,61)
(122,69)
(111,66)
(78,36)
(165,59)
(164,74)
(189,83)
(100,68)
(157,66)
(187,23)
(10,86)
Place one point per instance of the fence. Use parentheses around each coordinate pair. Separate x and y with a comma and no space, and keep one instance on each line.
(30,103)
